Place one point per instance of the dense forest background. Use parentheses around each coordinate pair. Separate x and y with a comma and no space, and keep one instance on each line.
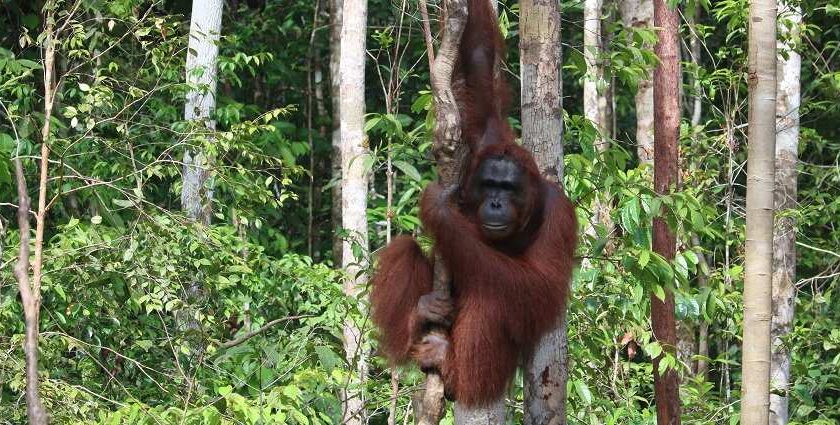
(120,256)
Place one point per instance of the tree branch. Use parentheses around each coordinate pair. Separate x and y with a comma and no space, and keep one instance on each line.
(239,340)
(447,138)
(427,33)
(30,292)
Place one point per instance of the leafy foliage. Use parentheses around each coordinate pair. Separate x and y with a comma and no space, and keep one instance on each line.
(126,338)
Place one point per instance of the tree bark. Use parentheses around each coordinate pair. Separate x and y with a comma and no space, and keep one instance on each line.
(784,233)
(666,95)
(639,13)
(758,267)
(354,178)
(335,53)
(542,132)
(490,415)
(694,50)
(596,106)
(30,292)
(702,334)
(448,149)
(202,53)
(703,337)
(592,99)
(542,106)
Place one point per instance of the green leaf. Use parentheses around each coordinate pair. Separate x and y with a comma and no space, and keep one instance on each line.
(659,292)
(60,292)
(644,258)
(371,123)
(583,392)
(225,390)
(144,344)
(299,417)
(653,349)
(408,170)
(665,363)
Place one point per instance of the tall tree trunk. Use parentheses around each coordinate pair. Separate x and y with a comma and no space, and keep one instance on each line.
(694,51)
(197,192)
(702,334)
(448,150)
(784,233)
(335,54)
(703,337)
(542,132)
(688,342)
(666,95)
(354,178)
(606,91)
(202,53)
(639,13)
(758,262)
(592,97)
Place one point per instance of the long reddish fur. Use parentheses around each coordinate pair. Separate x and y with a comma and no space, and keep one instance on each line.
(506,295)
(403,276)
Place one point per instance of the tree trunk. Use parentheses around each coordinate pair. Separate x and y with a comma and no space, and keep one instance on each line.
(694,51)
(448,150)
(703,337)
(666,95)
(592,99)
(639,13)
(758,262)
(490,415)
(335,54)
(354,178)
(203,50)
(702,334)
(542,132)
(784,233)
(542,103)
(30,291)
(197,192)
(687,341)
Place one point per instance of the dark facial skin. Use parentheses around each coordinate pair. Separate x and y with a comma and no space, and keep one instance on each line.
(499,184)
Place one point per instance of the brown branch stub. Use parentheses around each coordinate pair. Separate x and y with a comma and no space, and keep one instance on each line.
(445,147)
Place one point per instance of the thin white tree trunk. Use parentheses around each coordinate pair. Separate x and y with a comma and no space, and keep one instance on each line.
(596,105)
(592,99)
(758,262)
(784,233)
(202,53)
(354,179)
(694,47)
(542,132)
(197,192)
(639,13)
